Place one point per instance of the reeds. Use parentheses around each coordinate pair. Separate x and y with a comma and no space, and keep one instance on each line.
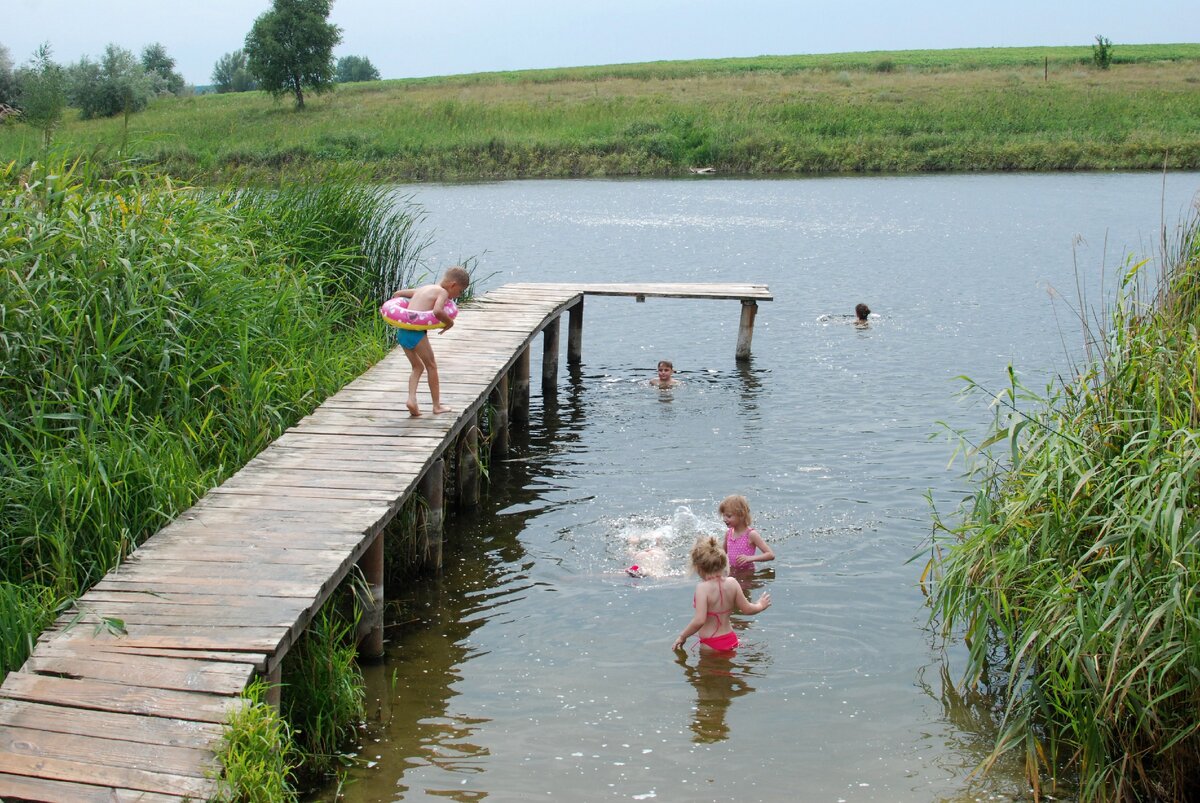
(153,338)
(1073,570)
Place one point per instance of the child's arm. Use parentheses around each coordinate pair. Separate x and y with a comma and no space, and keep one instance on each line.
(766,552)
(439,308)
(698,618)
(404,292)
(746,606)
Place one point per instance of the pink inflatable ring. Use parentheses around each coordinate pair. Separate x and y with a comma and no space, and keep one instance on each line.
(395,312)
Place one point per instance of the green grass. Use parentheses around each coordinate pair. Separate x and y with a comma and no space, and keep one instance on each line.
(983,109)
(153,338)
(1073,570)
(258,755)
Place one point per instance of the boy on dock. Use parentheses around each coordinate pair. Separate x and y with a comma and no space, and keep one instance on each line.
(416,345)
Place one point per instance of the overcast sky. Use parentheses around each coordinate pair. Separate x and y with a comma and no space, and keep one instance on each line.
(443,37)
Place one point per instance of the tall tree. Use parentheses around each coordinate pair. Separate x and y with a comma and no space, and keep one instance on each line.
(230,74)
(155,61)
(8,80)
(355,68)
(290,48)
(43,95)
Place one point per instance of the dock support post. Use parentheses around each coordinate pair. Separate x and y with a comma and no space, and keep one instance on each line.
(468,466)
(520,388)
(275,686)
(746,328)
(371,564)
(433,516)
(499,428)
(575,333)
(550,358)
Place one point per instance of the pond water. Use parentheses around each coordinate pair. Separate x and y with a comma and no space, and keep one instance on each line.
(534,666)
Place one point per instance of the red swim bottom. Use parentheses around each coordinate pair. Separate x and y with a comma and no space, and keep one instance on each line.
(722,643)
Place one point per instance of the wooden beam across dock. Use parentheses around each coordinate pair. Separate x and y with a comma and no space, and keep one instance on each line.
(125,697)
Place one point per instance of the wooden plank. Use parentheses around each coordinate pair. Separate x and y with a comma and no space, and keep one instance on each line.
(118,777)
(152,671)
(127,727)
(15,787)
(109,752)
(118,697)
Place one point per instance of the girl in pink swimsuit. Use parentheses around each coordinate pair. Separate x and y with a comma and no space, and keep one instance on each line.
(741,539)
(715,597)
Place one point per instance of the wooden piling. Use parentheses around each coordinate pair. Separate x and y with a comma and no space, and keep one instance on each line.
(550,358)
(499,428)
(519,374)
(575,333)
(371,564)
(433,516)
(746,329)
(468,466)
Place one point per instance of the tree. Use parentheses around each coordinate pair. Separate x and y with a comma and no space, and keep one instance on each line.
(355,68)
(155,61)
(43,93)
(117,84)
(290,48)
(1102,52)
(230,74)
(8,79)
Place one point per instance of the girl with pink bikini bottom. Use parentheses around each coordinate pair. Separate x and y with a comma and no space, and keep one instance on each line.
(714,599)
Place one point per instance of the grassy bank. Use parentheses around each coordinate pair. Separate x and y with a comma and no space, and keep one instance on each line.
(155,338)
(1074,568)
(985,109)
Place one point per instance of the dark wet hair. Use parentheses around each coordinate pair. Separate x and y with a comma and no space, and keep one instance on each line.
(862,311)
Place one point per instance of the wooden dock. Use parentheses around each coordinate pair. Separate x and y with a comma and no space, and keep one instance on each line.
(124,697)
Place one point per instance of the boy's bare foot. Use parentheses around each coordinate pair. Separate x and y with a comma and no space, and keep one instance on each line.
(440,408)
(413,409)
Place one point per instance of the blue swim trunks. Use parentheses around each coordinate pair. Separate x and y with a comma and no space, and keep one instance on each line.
(409,338)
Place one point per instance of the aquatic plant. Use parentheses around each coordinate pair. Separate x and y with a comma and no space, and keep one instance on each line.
(1072,570)
(153,338)
(257,755)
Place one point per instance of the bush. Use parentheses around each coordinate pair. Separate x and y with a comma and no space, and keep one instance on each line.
(1102,52)
(117,84)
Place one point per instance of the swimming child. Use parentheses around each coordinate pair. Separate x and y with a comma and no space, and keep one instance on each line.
(861,313)
(666,375)
(741,539)
(416,345)
(715,597)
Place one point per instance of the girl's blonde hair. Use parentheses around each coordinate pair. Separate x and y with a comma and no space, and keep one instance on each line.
(708,557)
(737,506)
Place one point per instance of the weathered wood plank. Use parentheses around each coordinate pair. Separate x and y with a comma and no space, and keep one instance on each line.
(129,727)
(151,671)
(83,772)
(110,752)
(117,697)
(16,787)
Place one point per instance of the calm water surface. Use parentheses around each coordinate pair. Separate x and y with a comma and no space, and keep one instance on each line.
(534,667)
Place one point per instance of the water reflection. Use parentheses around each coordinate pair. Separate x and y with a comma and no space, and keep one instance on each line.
(718,679)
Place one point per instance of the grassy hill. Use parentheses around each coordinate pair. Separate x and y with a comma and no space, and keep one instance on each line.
(904,111)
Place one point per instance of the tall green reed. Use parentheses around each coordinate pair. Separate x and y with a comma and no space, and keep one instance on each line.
(153,338)
(1072,571)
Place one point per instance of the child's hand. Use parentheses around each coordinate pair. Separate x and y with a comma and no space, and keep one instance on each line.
(446,328)
(764,601)
(678,645)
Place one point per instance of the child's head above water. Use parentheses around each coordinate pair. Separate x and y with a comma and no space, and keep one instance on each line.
(736,510)
(708,558)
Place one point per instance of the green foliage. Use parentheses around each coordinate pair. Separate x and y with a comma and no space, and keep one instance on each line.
(290,48)
(258,754)
(117,84)
(1073,569)
(154,338)
(323,689)
(355,68)
(8,80)
(1102,53)
(156,62)
(43,94)
(230,74)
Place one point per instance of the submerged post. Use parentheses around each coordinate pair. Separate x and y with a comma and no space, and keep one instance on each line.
(746,328)
(434,516)
(499,428)
(575,333)
(550,358)
(520,388)
(371,564)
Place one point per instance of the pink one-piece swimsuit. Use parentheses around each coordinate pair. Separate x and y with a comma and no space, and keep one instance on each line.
(739,545)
